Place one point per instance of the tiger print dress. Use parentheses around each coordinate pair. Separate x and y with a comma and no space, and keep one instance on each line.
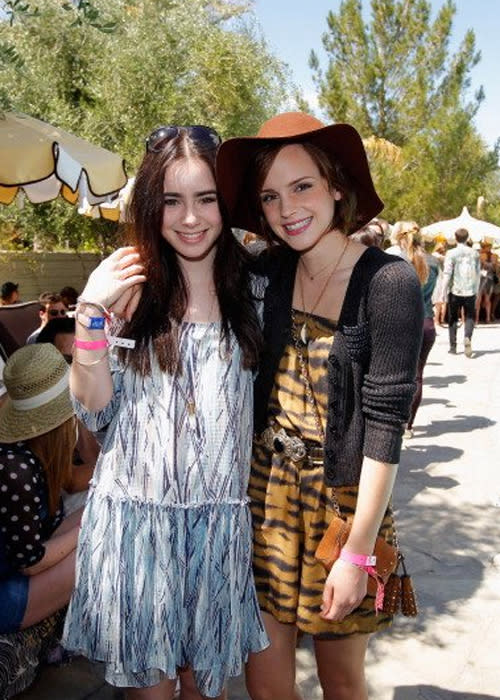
(292,506)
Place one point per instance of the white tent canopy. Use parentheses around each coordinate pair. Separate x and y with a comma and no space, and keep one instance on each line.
(478,229)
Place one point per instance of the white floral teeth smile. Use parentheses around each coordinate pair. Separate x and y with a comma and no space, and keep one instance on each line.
(298,224)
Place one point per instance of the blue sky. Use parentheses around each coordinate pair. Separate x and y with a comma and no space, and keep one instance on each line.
(293,27)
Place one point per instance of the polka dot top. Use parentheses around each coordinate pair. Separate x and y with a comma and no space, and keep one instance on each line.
(25,523)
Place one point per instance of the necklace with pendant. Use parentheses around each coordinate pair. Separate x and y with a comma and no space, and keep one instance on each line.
(189,396)
(308,314)
(318,273)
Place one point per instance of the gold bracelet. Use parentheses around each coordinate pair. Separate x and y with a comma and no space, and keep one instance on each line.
(90,364)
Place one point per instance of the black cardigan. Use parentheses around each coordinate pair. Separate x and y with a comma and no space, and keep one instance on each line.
(371,365)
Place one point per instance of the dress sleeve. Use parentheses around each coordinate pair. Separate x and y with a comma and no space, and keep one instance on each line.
(21,508)
(395,317)
(97,420)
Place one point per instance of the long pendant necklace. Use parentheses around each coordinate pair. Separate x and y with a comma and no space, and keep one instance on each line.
(189,398)
(308,314)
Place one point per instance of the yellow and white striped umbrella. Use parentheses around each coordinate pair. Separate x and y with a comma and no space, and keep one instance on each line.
(115,210)
(44,162)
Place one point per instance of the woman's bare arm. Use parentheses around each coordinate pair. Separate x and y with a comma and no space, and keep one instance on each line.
(114,284)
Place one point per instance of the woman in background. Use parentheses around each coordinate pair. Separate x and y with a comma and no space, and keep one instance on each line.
(408,239)
(37,438)
(489,266)
(439,295)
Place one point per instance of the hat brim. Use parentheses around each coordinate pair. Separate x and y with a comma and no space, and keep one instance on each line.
(341,142)
(18,425)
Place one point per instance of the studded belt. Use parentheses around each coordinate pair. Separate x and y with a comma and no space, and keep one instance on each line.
(291,446)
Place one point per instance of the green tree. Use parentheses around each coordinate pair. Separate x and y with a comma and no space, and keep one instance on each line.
(393,77)
(491,205)
(112,70)
(447,167)
(388,76)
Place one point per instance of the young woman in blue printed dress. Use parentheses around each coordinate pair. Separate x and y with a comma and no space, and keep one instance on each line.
(342,331)
(164,578)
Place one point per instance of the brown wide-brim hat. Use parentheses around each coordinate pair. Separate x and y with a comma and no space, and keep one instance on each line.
(340,142)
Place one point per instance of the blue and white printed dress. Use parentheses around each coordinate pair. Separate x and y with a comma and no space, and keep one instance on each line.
(164,567)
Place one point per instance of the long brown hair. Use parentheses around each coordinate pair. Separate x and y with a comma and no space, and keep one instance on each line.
(55,451)
(407,235)
(165,296)
(336,177)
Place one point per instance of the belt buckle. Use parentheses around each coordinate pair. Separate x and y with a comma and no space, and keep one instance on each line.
(297,449)
(284,444)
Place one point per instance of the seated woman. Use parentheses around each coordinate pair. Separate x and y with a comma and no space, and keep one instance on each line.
(37,438)
(61,333)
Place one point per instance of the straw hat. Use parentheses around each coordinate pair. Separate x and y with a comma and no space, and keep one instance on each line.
(341,142)
(37,381)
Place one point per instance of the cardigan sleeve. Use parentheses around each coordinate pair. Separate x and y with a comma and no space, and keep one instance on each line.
(395,320)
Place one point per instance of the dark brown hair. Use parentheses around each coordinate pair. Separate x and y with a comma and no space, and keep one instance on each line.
(461,235)
(47,298)
(165,296)
(336,177)
(370,235)
(55,451)
(69,296)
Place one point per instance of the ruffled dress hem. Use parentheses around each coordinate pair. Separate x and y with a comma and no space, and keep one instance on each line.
(180,592)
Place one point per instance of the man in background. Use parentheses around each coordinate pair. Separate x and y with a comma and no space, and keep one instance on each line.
(461,276)
(51,306)
(9,293)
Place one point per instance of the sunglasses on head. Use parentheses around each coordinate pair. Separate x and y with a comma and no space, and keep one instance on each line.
(57,312)
(202,135)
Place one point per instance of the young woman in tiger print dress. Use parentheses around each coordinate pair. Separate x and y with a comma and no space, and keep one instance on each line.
(342,329)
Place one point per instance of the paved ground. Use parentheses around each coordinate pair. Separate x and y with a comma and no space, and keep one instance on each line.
(447,500)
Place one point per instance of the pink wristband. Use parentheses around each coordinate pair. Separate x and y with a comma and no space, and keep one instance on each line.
(368,564)
(361,560)
(90,344)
